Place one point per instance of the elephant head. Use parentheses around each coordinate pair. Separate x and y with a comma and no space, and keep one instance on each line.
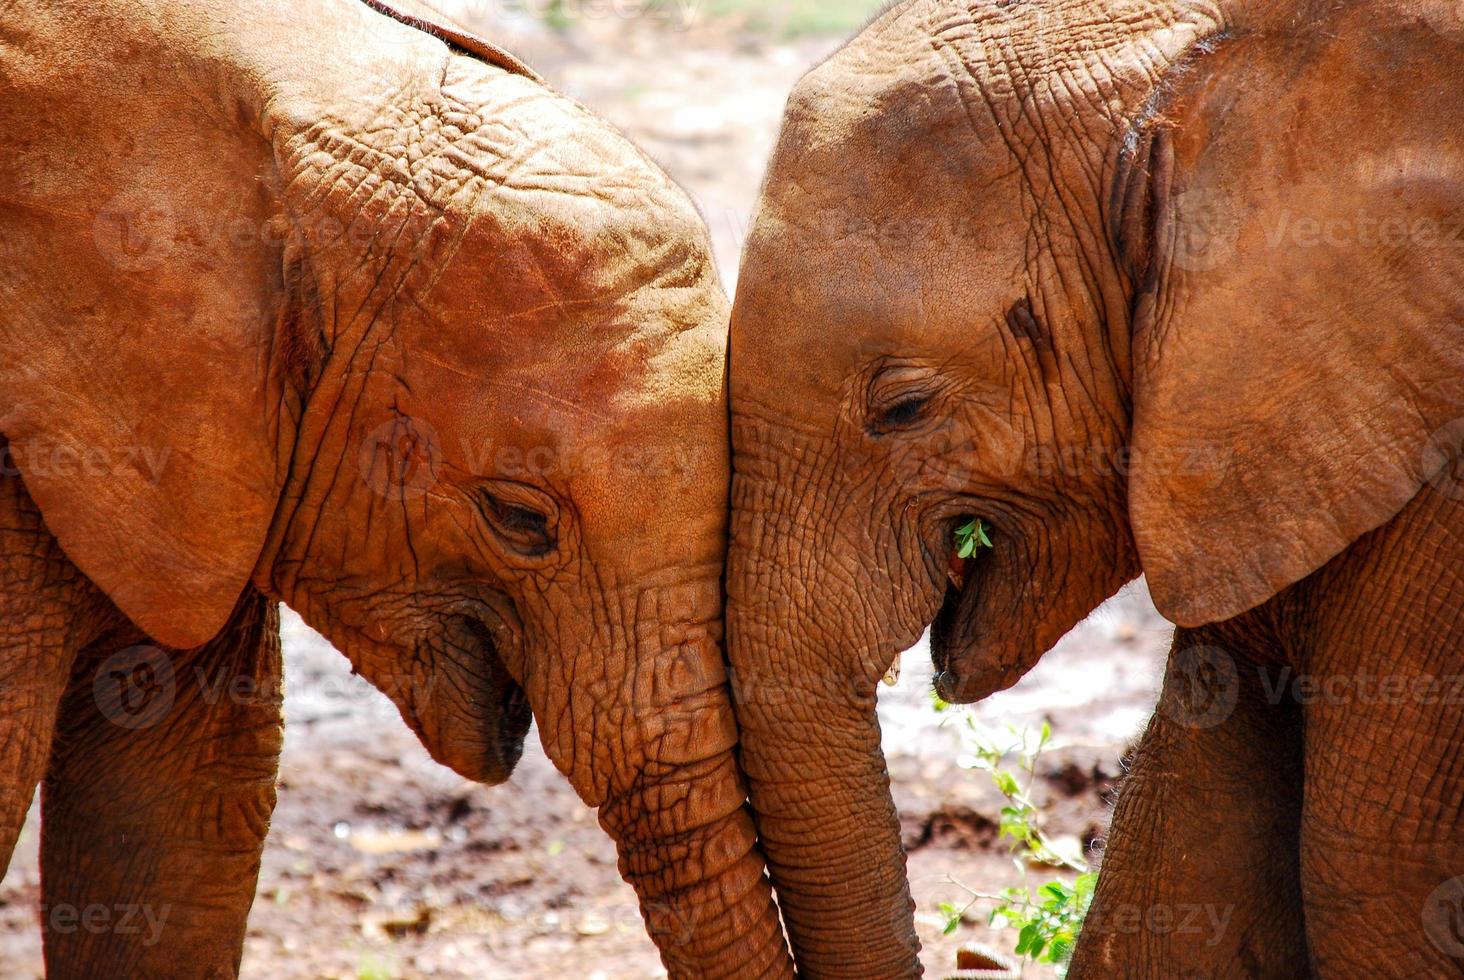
(425,350)
(1013,268)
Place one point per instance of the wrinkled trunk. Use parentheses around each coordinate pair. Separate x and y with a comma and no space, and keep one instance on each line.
(810,749)
(659,762)
(687,845)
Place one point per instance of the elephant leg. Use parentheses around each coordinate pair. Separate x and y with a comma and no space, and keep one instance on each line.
(1382,855)
(1200,875)
(48,611)
(157,801)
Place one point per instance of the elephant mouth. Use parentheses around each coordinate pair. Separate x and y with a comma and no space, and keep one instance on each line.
(498,708)
(506,693)
(958,593)
(951,629)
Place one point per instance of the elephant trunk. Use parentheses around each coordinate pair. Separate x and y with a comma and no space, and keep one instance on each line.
(664,775)
(687,845)
(810,750)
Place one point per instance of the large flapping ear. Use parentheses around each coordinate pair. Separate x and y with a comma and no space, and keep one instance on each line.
(138,311)
(424,16)
(1299,343)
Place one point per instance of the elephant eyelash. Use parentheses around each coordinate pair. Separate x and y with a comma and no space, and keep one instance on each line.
(524,530)
(902,414)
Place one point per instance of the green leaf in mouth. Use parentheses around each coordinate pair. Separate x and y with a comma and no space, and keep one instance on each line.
(971,536)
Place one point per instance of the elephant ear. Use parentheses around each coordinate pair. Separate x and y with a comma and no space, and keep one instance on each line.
(1299,338)
(135,336)
(424,16)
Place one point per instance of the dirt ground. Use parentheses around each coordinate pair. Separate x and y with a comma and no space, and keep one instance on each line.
(381,864)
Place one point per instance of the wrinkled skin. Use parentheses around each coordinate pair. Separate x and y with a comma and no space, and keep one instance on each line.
(303,306)
(1112,278)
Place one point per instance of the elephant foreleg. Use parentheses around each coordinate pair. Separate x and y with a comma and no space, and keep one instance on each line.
(1200,875)
(1382,843)
(157,801)
(48,610)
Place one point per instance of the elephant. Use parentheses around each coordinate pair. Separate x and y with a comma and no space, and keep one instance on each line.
(1163,288)
(304,304)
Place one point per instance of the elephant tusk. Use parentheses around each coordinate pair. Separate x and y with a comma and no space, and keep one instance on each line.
(892,676)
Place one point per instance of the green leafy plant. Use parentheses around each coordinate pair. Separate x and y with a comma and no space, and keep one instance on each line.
(556,18)
(971,536)
(368,967)
(1049,917)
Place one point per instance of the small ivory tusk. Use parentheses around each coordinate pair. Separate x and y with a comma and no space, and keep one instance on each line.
(892,676)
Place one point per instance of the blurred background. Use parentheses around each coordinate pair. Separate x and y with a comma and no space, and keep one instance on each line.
(381,864)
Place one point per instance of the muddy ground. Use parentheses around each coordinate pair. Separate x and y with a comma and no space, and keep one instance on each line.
(381,864)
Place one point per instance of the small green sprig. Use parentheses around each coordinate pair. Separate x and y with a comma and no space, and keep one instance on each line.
(1049,920)
(971,536)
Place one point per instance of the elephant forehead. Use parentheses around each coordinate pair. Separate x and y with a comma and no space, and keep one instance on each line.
(476,129)
(662,339)
(815,307)
(541,166)
(575,250)
(492,197)
(573,407)
(874,234)
(582,329)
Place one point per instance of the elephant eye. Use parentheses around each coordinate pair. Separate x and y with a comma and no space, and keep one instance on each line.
(518,518)
(901,395)
(901,414)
